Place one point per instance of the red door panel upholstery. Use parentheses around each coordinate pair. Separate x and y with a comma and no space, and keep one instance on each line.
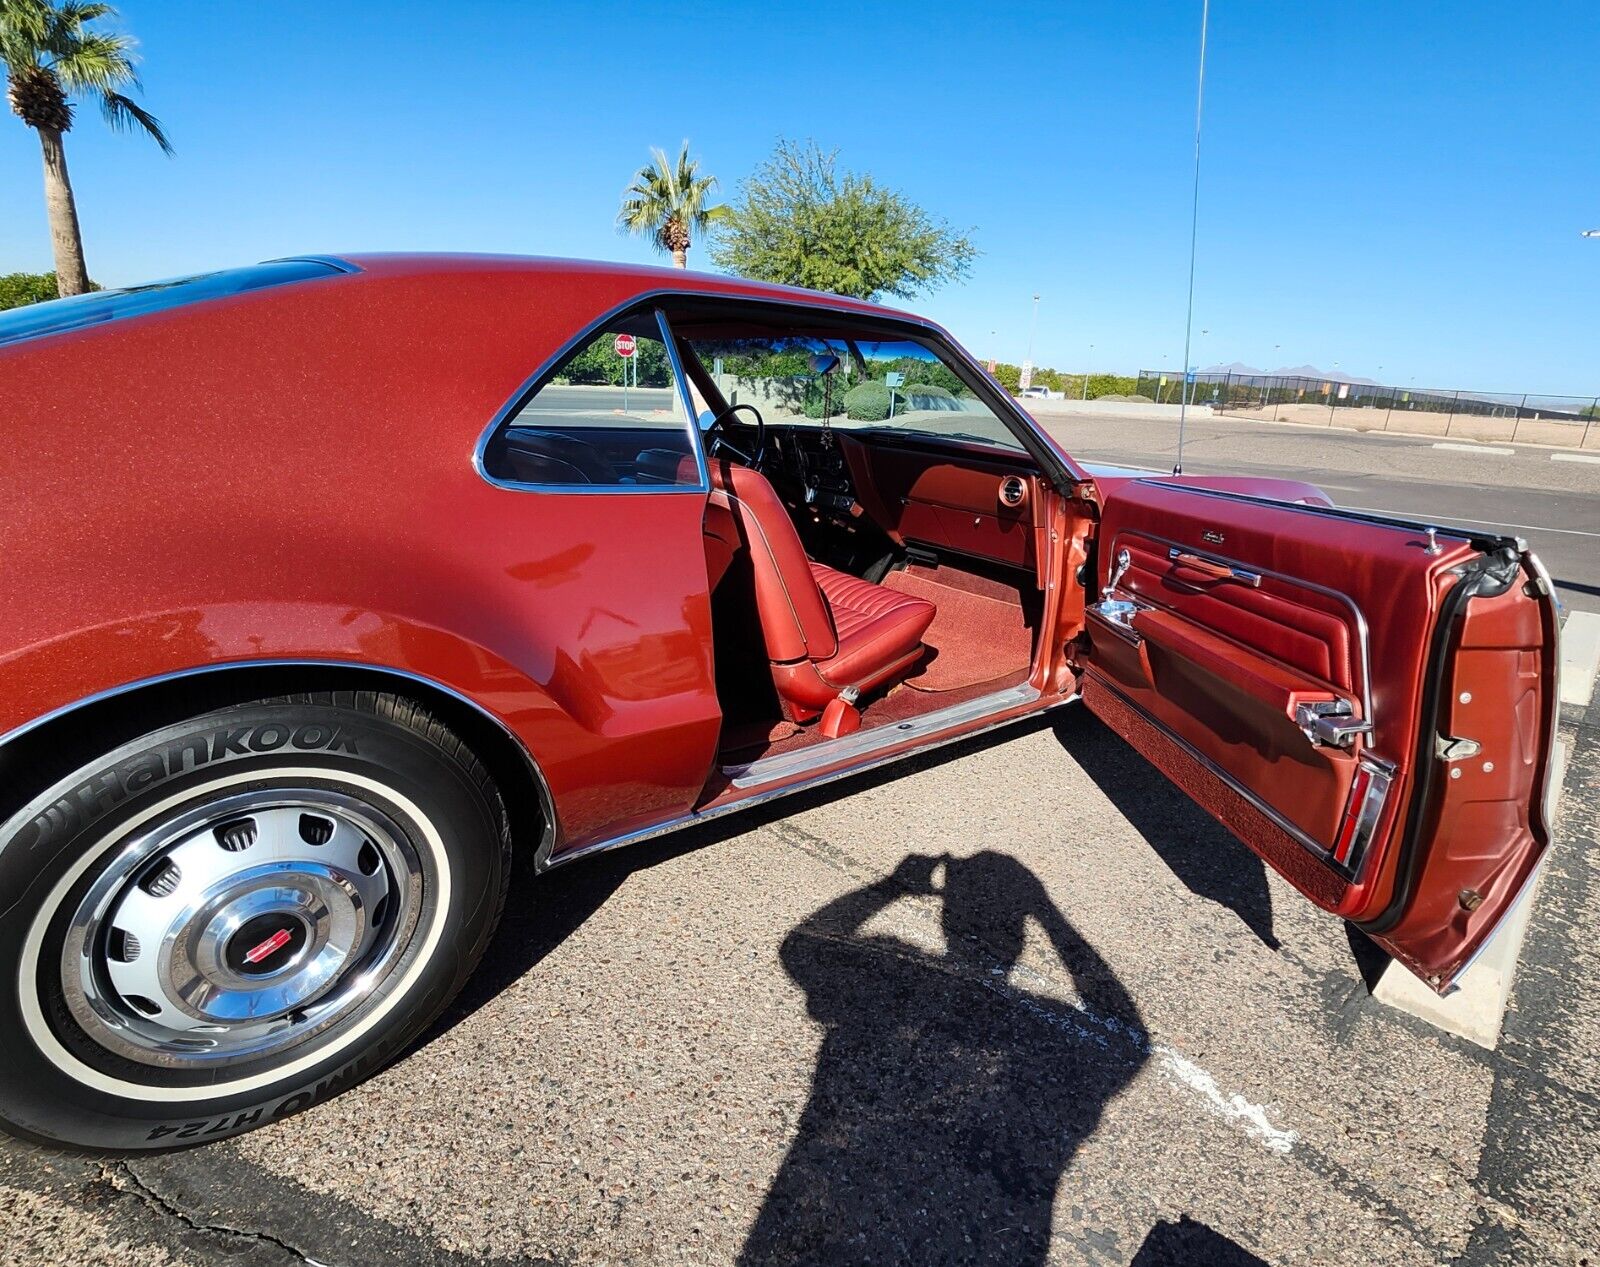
(945,500)
(1244,620)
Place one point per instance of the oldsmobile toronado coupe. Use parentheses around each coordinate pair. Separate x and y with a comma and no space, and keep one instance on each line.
(334,583)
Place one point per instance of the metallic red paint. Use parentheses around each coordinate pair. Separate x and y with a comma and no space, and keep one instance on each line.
(287,475)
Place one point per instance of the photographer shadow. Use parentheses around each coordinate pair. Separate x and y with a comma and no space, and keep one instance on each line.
(948,1100)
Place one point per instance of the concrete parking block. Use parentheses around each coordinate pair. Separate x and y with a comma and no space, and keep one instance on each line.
(1475,1009)
(1580,657)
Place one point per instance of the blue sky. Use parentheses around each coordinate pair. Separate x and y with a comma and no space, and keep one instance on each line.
(1386,184)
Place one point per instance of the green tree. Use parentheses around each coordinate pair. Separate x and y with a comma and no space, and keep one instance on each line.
(17,289)
(49,51)
(802,221)
(670,201)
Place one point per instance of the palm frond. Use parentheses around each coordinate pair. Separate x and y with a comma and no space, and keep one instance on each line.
(126,115)
(667,192)
(97,63)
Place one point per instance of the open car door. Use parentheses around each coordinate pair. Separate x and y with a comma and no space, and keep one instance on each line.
(1367,703)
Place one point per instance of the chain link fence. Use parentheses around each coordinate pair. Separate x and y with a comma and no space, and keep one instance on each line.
(1560,420)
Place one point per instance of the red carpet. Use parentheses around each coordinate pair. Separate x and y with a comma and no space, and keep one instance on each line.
(974,637)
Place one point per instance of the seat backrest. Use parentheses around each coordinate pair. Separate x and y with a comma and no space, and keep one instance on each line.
(794,618)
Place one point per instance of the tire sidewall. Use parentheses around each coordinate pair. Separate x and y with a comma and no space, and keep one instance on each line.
(461,839)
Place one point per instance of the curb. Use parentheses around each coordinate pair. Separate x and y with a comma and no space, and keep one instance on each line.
(1476,1008)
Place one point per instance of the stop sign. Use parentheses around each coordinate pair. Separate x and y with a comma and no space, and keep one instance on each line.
(623,344)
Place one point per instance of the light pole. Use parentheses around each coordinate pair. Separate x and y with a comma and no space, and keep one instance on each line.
(1086,372)
(1194,231)
(1590,233)
(1033,329)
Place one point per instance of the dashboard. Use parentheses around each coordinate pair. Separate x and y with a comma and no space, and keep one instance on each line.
(863,493)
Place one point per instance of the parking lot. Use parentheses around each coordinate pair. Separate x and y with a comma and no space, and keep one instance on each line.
(1023,1004)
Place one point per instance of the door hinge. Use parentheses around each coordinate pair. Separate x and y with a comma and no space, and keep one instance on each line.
(1448,748)
(1328,722)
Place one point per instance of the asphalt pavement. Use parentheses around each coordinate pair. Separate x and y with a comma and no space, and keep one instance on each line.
(1015,1002)
(1551,497)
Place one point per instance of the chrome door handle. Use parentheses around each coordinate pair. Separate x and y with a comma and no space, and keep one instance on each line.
(1329,724)
(1221,571)
(1123,561)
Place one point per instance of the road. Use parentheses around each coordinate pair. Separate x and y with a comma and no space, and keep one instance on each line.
(1017,1002)
(1020,1004)
(1555,504)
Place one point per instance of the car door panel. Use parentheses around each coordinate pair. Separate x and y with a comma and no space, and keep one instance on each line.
(1292,668)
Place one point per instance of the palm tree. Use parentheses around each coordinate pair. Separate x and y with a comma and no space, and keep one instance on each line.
(668,201)
(49,51)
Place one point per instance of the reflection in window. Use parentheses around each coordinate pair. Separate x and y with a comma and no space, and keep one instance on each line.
(77,312)
(879,384)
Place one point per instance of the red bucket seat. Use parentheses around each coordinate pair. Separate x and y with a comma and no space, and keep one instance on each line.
(824,630)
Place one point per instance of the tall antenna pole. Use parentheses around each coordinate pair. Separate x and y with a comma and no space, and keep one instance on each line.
(1194,231)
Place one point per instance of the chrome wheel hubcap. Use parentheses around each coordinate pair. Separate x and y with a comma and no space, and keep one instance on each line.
(241,927)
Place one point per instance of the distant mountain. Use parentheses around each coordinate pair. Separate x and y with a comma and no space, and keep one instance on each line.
(1291,371)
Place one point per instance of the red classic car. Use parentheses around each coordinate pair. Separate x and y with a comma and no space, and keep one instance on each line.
(336,582)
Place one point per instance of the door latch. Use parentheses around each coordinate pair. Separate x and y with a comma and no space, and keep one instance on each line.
(1329,723)
(1449,748)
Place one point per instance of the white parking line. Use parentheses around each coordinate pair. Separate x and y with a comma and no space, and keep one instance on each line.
(1177,1068)
(1576,457)
(1475,448)
(1441,520)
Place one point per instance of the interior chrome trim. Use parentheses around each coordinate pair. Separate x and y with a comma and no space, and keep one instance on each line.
(1374,794)
(1191,558)
(1320,851)
(1117,614)
(870,762)
(1363,638)
(862,742)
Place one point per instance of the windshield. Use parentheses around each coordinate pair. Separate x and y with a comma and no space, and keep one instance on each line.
(862,383)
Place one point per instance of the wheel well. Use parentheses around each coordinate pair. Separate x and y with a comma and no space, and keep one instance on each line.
(35,758)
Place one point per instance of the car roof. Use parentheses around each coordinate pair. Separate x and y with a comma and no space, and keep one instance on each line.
(649,278)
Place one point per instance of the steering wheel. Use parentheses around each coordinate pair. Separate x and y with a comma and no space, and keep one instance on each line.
(717,440)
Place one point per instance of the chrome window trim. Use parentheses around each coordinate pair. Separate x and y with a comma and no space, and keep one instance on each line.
(1054,461)
(1363,639)
(530,388)
(332,261)
(696,445)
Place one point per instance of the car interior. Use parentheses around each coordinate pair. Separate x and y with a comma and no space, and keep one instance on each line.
(873,528)
(864,571)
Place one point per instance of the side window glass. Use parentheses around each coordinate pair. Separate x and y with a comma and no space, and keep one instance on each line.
(609,416)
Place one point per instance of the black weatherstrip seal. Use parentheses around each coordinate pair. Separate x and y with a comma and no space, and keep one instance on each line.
(1481,577)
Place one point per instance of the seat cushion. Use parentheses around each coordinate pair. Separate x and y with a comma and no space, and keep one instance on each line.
(877,628)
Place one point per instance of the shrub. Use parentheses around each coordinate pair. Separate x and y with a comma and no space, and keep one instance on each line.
(18,289)
(868,402)
(814,398)
(927,389)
